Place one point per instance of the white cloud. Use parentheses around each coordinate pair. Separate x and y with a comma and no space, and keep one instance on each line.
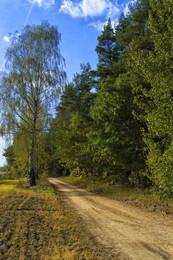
(70,8)
(126,7)
(100,25)
(113,10)
(91,8)
(6,38)
(45,3)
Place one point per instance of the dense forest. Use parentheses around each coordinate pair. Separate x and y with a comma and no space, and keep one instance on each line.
(114,123)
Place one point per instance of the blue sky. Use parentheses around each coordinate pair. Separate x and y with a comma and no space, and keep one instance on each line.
(79,22)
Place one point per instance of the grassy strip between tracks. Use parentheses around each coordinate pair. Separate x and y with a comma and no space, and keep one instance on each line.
(137,197)
(36,224)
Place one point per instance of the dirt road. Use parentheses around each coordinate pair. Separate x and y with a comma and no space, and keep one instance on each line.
(136,234)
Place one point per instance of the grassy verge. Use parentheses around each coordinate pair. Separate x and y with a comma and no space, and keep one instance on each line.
(36,224)
(140,198)
(5,176)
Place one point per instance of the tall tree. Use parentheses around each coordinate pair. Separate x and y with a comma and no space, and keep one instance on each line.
(33,82)
(155,97)
(114,139)
(73,121)
(107,50)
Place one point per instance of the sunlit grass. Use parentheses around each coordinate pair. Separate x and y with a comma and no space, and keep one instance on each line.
(8,186)
(22,185)
(37,224)
(43,186)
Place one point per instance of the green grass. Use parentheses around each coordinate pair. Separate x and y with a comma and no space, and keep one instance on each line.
(43,186)
(5,176)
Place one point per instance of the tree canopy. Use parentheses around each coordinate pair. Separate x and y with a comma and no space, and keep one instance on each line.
(32,83)
(113,123)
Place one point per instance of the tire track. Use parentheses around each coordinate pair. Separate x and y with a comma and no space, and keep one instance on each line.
(124,228)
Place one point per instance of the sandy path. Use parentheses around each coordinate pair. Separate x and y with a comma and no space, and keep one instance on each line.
(137,234)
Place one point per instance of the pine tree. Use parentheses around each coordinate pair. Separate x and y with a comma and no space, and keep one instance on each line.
(115,139)
(73,122)
(107,50)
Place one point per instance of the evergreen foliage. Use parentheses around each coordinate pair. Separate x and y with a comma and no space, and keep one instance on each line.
(73,121)
(116,123)
(154,66)
(107,50)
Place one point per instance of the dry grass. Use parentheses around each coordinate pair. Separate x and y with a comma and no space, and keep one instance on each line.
(36,224)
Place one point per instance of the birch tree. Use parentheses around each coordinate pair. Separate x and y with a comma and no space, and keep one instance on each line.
(32,83)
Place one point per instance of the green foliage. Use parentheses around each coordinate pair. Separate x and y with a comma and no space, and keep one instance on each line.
(32,84)
(152,86)
(3,168)
(73,122)
(107,50)
(115,139)
(18,153)
(159,119)
(9,154)
(124,132)
(115,123)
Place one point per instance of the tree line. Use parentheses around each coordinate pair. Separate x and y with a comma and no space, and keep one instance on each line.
(114,123)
